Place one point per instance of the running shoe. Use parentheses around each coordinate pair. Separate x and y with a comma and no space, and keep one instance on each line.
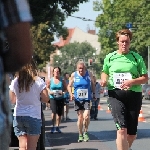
(58,130)
(80,138)
(52,129)
(86,137)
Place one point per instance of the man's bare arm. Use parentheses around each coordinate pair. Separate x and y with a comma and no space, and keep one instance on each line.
(104,78)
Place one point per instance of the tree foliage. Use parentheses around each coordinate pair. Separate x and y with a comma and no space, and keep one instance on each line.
(115,16)
(72,53)
(49,15)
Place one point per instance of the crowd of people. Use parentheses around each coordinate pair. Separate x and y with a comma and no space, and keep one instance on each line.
(27,90)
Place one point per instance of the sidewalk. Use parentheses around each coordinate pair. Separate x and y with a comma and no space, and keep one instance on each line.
(67,140)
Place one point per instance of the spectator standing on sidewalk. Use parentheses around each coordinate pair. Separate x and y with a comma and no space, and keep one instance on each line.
(123,72)
(66,96)
(15,21)
(95,103)
(27,91)
(56,88)
(82,81)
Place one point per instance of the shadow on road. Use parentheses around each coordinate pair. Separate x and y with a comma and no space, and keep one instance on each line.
(143,134)
(105,135)
(59,139)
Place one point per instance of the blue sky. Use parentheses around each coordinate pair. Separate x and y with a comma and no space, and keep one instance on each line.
(85,11)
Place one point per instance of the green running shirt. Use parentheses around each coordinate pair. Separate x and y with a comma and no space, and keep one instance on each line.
(131,63)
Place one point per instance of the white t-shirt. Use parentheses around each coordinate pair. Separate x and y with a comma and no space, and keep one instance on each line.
(28,103)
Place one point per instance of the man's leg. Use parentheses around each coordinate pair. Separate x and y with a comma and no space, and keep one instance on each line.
(80,125)
(86,122)
(96,109)
(130,139)
(86,117)
(121,141)
(80,121)
(67,110)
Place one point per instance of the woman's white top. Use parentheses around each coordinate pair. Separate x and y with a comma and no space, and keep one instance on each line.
(28,103)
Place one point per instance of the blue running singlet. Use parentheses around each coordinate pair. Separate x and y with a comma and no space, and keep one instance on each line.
(82,87)
(57,89)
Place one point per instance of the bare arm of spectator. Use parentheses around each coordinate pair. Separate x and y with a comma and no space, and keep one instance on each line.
(44,96)
(12,97)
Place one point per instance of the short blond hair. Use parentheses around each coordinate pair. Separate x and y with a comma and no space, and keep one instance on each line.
(81,62)
(125,32)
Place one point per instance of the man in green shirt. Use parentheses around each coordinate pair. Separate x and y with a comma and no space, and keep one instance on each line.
(123,72)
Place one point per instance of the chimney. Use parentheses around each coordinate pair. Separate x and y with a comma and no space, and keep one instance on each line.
(91,31)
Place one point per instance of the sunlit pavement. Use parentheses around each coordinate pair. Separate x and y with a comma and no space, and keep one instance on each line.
(102,133)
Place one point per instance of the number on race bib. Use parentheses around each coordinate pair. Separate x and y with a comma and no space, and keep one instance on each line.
(57,93)
(119,78)
(82,93)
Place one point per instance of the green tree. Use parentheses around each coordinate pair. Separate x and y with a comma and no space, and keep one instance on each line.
(42,44)
(71,53)
(115,15)
(48,19)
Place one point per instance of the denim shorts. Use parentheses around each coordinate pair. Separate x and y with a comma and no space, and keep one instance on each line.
(26,125)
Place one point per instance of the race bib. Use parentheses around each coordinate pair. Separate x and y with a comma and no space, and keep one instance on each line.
(82,93)
(119,78)
(57,93)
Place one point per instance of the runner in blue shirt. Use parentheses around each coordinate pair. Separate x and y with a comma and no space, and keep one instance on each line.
(82,81)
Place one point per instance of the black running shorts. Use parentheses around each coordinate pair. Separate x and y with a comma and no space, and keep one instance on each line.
(125,107)
(57,106)
(82,105)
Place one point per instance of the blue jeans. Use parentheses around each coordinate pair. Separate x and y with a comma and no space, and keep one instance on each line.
(26,125)
(94,108)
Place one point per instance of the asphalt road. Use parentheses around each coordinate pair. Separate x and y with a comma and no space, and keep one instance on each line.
(102,133)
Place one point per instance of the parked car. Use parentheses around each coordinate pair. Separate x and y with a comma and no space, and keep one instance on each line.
(144,87)
(147,94)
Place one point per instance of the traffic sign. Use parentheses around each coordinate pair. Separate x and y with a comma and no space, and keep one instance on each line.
(129,25)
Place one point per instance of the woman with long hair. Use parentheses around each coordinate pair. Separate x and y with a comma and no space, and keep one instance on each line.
(27,91)
(56,89)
